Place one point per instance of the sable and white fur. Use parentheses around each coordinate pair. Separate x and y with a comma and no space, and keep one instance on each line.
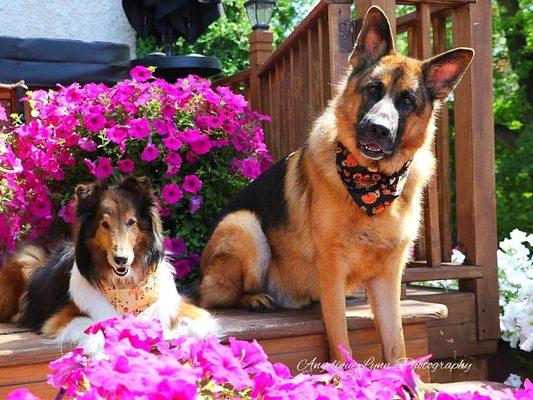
(117,240)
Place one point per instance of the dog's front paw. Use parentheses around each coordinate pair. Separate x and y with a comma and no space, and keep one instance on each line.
(196,327)
(93,345)
(257,302)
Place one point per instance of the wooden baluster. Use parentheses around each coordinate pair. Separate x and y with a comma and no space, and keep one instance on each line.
(311,57)
(474,163)
(293,116)
(431,200)
(442,148)
(301,90)
(338,14)
(321,61)
(412,48)
(412,51)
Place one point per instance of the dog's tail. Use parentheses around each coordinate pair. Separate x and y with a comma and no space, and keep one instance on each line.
(190,290)
(14,279)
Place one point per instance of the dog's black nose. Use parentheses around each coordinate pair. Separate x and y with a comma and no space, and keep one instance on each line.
(379,131)
(120,260)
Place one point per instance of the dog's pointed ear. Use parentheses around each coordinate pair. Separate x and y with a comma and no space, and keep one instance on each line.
(375,39)
(442,73)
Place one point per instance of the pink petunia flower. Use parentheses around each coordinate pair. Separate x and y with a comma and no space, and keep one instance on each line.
(22,394)
(182,268)
(172,142)
(42,207)
(104,168)
(176,246)
(126,166)
(87,144)
(94,122)
(161,126)
(167,111)
(250,168)
(117,134)
(68,212)
(202,145)
(171,193)
(141,74)
(90,166)
(139,128)
(3,115)
(192,184)
(150,153)
(195,202)
(173,158)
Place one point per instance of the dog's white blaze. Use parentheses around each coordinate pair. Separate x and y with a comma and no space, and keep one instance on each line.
(384,113)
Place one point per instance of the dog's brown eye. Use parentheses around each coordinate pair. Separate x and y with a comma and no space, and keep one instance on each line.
(105,225)
(131,222)
(373,89)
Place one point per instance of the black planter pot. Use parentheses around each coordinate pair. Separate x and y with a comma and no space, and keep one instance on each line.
(171,68)
(47,62)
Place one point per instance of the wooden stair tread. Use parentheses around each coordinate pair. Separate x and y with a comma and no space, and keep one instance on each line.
(19,346)
(308,321)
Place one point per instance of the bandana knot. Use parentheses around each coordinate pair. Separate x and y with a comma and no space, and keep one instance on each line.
(371,190)
(133,300)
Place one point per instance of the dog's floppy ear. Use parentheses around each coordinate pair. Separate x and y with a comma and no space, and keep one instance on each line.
(141,188)
(87,195)
(374,40)
(442,73)
(84,190)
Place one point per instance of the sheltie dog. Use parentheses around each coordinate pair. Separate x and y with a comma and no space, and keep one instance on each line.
(114,265)
(344,209)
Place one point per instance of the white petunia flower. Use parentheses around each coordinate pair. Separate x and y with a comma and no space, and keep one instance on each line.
(513,380)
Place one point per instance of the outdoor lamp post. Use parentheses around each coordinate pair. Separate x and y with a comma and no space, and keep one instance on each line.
(259,12)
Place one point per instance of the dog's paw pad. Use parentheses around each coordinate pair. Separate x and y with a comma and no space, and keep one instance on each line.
(258,302)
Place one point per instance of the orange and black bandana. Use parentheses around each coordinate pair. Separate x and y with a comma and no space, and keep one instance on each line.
(371,190)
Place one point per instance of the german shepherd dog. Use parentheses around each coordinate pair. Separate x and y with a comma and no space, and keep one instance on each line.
(115,265)
(344,209)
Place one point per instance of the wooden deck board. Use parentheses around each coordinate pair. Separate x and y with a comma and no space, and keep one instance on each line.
(21,347)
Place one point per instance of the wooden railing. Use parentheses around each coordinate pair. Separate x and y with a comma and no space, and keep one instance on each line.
(294,83)
(238,83)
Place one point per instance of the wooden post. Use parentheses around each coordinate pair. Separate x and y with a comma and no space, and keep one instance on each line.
(388,6)
(340,40)
(260,50)
(442,149)
(474,162)
(431,195)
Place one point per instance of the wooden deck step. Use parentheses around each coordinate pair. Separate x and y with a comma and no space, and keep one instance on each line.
(295,337)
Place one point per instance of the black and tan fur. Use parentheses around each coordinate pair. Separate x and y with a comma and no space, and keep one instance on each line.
(295,235)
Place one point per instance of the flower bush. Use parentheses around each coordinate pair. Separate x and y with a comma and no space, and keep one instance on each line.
(138,364)
(515,272)
(198,144)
